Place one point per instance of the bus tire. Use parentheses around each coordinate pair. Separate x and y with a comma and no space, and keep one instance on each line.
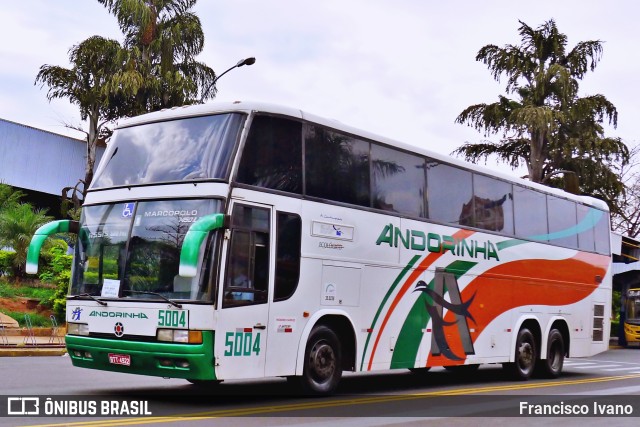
(322,369)
(525,356)
(551,367)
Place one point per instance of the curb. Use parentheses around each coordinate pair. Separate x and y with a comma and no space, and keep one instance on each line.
(30,352)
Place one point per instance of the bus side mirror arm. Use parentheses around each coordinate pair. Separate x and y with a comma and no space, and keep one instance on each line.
(41,234)
(193,240)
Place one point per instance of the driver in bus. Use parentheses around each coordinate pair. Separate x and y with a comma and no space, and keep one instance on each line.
(240,279)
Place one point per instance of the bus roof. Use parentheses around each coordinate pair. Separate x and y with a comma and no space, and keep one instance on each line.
(252,106)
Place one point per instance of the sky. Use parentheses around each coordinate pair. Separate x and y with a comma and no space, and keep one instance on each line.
(403,69)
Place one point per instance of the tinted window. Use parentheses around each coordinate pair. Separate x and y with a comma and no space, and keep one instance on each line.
(272,155)
(493,204)
(336,166)
(530,213)
(449,194)
(177,150)
(587,218)
(289,229)
(602,234)
(562,222)
(398,181)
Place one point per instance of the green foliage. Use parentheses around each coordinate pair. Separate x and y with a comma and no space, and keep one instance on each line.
(101,78)
(17,290)
(616,304)
(9,196)
(57,270)
(163,38)
(6,262)
(37,320)
(18,223)
(546,125)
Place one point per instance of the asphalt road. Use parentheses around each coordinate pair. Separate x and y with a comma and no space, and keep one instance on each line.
(485,397)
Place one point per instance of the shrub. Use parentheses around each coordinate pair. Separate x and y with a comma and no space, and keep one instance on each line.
(57,270)
(6,262)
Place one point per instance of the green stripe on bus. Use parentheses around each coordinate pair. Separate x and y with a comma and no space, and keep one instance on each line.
(404,271)
(408,342)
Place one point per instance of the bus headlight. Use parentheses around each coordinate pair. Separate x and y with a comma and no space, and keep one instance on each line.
(179,335)
(78,329)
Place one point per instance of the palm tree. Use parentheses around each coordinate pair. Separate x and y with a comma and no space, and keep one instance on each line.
(547,126)
(164,36)
(9,196)
(18,223)
(100,79)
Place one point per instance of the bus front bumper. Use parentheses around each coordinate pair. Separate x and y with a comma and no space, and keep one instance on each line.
(632,332)
(171,360)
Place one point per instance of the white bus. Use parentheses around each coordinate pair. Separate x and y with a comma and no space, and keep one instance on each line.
(246,240)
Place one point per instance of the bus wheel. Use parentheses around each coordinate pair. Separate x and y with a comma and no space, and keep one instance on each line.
(551,367)
(525,356)
(322,362)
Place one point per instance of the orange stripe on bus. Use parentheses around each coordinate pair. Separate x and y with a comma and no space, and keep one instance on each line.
(520,283)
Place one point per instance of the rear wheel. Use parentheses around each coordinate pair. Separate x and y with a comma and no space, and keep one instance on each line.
(551,367)
(525,356)
(322,363)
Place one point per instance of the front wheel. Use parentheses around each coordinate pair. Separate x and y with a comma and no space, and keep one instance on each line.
(525,356)
(322,363)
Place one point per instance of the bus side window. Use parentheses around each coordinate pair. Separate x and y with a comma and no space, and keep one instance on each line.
(247,276)
(272,156)
(288,242)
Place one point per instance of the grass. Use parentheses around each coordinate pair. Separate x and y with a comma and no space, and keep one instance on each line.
(37,320)
(8,290)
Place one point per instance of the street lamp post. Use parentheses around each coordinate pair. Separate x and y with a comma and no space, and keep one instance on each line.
(246,61)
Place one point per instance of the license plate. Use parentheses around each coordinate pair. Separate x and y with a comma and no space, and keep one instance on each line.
(120,359)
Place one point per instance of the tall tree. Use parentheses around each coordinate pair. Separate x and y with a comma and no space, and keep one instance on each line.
(546,126)
(164,36)
(100,79)
(626,219)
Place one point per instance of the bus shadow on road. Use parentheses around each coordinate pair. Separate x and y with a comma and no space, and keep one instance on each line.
(278,390)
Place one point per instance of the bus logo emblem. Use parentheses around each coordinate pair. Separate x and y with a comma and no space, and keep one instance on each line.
(118,329)
(447,281)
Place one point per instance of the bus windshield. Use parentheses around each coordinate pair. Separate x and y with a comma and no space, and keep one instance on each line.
(132,250)
(177,150)
(633,305)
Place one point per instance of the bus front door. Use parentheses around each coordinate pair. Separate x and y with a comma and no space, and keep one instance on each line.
(241,331)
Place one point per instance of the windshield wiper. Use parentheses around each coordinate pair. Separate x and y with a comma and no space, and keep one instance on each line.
(175,304)
(87,295)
